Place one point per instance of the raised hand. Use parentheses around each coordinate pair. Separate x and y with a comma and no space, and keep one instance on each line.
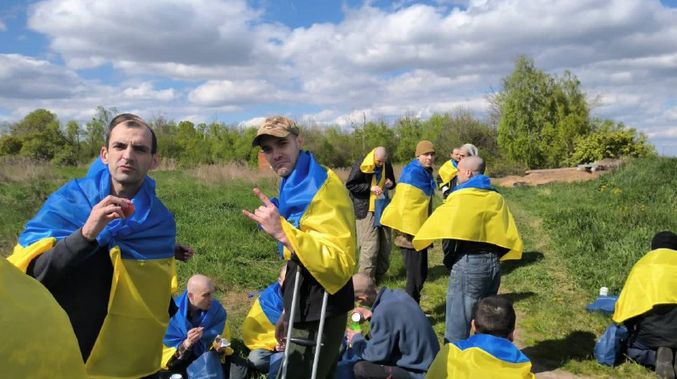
(267,216)
(107,210)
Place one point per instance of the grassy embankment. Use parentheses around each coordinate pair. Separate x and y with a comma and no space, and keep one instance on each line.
(578,237)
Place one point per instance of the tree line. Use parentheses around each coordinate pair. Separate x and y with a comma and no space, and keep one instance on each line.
(537,120)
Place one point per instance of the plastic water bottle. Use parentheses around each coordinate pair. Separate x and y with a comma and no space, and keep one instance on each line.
(356,321)
(604,291)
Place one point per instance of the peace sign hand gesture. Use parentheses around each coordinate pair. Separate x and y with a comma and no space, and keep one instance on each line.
(268,217)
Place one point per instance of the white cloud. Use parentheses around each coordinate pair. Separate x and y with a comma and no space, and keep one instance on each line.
(223,92)
(3,27)
(145,91)
(252,122)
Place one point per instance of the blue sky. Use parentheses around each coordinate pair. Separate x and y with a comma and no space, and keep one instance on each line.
(332,62)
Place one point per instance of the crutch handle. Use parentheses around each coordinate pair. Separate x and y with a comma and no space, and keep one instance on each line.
(304,342)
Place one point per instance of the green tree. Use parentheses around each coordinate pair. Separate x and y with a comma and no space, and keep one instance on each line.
(540,116)
(610,140)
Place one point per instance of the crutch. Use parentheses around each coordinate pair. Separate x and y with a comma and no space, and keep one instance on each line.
(302,341)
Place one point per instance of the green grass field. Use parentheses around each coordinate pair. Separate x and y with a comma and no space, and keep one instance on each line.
(578,237)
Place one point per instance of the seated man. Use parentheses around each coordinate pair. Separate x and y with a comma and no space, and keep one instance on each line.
(489,353)
(647,306)
(402,342)
(199,326)
(258,329)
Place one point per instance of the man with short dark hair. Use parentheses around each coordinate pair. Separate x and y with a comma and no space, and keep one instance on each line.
(314,224)
(104,245)
(369,180)
(401,344)
(489,353)
(480,231)
(647,306)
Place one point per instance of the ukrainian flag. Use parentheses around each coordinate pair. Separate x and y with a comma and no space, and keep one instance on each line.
(319,222)
(480,356)
(447,172)
(368,166)
(258,329)
(37,337)
(474,211)
(409,208)
(652,281)
(142,254)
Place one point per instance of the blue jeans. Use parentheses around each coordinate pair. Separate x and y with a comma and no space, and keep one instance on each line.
(473,277)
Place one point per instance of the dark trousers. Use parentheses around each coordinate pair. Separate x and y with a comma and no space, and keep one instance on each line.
(416,264)
(368,370)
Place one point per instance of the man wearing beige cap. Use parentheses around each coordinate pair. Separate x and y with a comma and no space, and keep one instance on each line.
(409,209)
(313,222)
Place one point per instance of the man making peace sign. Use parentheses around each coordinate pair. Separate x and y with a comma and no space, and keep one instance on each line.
(314,224)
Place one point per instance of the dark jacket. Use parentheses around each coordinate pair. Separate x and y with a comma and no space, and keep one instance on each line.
(359,187)
(400,333)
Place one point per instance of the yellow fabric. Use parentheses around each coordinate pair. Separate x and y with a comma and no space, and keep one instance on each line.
(447,172)
(325,242)
(129,342)
(473,214)
(257,330)
(451,362)
(652,281)
(37,337)
(407,210)
(368,166)
(168,352)
(131,335)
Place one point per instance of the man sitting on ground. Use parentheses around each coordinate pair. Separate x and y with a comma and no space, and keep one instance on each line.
(647,306)
(199,325)
(402,342)
(489,353)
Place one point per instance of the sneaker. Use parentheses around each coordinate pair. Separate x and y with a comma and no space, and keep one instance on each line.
(664,363)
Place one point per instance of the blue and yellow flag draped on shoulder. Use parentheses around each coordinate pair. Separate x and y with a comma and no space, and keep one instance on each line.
(319,222)
(480,356)
(408,209)
(447,172)
(258,329)
(652,281)
(37,337)
(213,320)
(474,211)
(368,166)
(142,254)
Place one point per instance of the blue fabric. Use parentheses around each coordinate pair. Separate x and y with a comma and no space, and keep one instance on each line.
(298,189)
(206,366)
(609,347)
(149,233)
(400,333)
(498,347)
(604,304)
(478,181)
(416,175)
(275,364)
(346,362)
(380,205)
(472,277)
(96,167)
(271,302)
(213,322)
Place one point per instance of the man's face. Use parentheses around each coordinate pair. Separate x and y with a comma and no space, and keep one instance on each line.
(202,297)
(463,173)
(128,156)
(281,153)
(379,161)
(427,159)
(456,155)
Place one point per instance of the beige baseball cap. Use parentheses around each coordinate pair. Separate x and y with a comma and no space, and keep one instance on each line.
(276,126)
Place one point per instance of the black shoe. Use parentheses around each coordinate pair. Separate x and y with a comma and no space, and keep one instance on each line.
(664,363)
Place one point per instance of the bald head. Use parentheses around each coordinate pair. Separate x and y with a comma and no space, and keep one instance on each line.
(380,155)
(200,291)
(364,288)
(469,167)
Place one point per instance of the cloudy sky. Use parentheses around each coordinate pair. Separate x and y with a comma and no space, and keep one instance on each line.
(332,62)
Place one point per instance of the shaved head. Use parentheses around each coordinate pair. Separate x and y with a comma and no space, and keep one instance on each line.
(469,167)
(364,288)
(380,155)
(200,290)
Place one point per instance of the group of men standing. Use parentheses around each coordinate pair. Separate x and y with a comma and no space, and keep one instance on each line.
(104,247)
